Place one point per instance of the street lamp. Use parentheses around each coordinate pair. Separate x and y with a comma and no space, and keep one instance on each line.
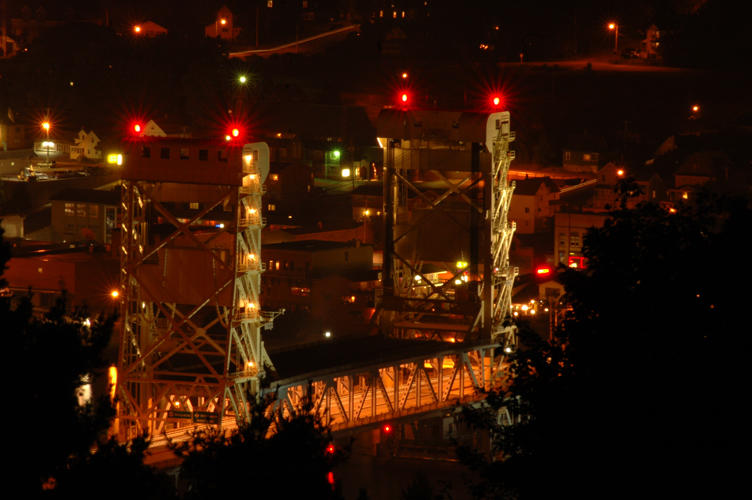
(615,27)
(48,145)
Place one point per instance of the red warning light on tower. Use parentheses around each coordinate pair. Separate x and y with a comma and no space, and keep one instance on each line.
(137,128)
(404,98)
(235,132)
(387,428)
(496,101)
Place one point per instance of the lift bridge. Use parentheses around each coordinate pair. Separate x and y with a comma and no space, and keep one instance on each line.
(192,349)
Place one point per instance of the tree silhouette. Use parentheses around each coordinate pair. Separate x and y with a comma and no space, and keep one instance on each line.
(640,393)
(289,456)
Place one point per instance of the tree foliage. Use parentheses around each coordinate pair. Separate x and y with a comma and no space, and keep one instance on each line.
(642,389)
(288,457)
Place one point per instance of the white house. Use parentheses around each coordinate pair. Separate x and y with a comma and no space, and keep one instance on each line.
(86,146)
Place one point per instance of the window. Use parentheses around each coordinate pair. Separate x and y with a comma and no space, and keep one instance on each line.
(183,153)
(275,177)
(146,152)
(93,211)
(270,3)
(595,156)
(527,210)
(562,239)
(302,291)
(282,153)
(165,154)
(271,207)
(221,155)
(603,178)
(81,210)
(276,266)
(305,4)
(575,239)
(418,122)
(203,155)
(586,157)
(69,209)
(568,155)
(193,206)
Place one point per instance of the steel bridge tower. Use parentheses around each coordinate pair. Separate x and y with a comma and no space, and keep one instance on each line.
(190,244)
(446,201)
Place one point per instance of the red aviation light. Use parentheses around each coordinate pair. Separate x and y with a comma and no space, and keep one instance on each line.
(330,448)
(404,98)
(235,132)
(137,128)
(496,101)
(387,428)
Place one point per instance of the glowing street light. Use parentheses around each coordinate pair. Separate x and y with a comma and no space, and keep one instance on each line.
(695,108)
(615,28)
(404,75)
(115,294)
(620,172)
(242,79)
(137,29)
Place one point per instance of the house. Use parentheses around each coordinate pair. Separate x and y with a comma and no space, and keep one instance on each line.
(223,26)
(84,214)
(650,47)
(569,233)
(605,196)
(12,134)
(531,203)
(288,191)
(150,29)
(151,129)
(582,153)
(86,146)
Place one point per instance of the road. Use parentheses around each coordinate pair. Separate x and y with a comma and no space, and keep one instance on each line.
(306,45)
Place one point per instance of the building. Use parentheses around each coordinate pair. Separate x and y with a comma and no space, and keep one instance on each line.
(151,129)
(28,20)
(12,134)
(87,275)
(84,214)
(569,234)
(532,203)
(650,47)
(15,161)
(86,146)
(223,26)
(583,153)
(150,29)
(328,279)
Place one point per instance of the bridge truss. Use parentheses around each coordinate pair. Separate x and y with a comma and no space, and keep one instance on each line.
(191,346)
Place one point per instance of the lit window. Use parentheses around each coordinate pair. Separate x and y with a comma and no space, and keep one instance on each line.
(69,209)
(685,195)
(275,177)
(271,207)
(81,210)
(586,157)
(568,155)
(193,206)
(93,211)
(183,153)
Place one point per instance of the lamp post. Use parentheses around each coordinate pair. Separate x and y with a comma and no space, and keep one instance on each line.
(615,27)
(46,127)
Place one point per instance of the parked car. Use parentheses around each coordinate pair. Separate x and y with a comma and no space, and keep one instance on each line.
(51,164)
(630,53)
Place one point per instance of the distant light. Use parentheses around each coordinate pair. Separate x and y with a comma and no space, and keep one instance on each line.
(418,278)
(336,154)
(387,428)
(242,79)
(507,349)
(404,97)
(137,128)
(235,132)
(115,294)
(223,21)
(328,334)
(228,138)
(137,29)
(48,144)
(221,226)
(46,125)
(345,172)
(496,101)
(611,26)
(532,311)
(695,108)
(330,448)
(457,282)
(620,172)
(330,478)
(543,270)
(524,307)
(404,75)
